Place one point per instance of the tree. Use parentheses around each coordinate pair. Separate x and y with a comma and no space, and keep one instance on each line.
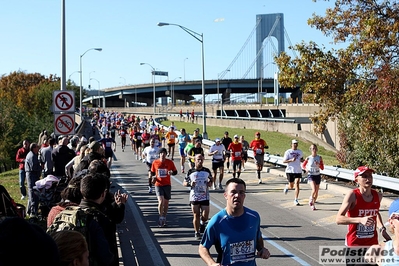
(358,84)
(25,101)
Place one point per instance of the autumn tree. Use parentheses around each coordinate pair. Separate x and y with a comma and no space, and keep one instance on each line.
(358,84)
(25,101)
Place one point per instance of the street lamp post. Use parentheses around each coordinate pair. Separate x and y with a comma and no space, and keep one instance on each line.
(172,96)
(77,71)
(199,37)
(98,90)
(221,102)
(81,77)
(153,84)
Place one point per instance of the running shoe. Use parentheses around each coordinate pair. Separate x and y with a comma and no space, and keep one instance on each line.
(149,189)
(162,221)
(313,208)
(197,236)
(285,190)
(202,227)
(311,202)
(182,171)
(260,181)
(296,202)
(220,186)
(214,186)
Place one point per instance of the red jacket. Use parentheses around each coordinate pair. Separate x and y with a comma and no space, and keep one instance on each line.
(20,157)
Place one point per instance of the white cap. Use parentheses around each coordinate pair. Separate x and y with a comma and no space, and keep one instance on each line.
(217,139)
(294,141)
(236,136)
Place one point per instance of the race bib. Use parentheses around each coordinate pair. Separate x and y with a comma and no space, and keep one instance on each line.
(162,173)
(259,151)
(363,231)
(242,251)
(237,154)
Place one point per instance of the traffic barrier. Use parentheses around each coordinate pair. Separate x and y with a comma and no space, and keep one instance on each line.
(379,181)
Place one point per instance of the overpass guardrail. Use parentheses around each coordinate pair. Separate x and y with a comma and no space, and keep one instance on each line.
(380,181)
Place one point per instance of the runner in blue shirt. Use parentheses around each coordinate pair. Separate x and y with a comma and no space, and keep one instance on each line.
(235,231)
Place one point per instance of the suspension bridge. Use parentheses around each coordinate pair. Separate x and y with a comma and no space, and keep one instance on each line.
(251,75)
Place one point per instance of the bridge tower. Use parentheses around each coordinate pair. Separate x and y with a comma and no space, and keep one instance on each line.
(268,25)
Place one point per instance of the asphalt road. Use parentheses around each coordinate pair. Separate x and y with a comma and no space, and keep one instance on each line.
(293,234)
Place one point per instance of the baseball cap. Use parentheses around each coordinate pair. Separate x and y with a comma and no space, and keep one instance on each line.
(361,170)
(394,208)
(257,133)
(294,141)
(163,150)
(217,140)
(198,141)
(94,146)
(226,133)
(236,136)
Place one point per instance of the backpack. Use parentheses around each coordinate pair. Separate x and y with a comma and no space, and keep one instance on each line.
(71,218)
(74,218)
(8,207)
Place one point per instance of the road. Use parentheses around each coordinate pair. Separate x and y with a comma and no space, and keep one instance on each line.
(293,234)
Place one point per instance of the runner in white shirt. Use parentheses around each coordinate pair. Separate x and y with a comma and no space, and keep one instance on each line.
(150,153)
(293,158)
(217,152)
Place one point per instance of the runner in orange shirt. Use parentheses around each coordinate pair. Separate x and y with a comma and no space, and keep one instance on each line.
(161,170)
(171,138)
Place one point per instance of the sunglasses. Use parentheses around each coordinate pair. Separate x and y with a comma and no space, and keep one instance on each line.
(394,216)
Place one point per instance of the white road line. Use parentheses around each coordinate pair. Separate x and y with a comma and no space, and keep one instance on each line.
(151,247)
(271,242)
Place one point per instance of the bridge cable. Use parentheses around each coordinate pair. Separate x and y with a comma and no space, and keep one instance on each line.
(268,38)
(242,49)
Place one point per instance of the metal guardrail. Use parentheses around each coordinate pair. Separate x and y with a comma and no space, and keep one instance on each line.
(379,181)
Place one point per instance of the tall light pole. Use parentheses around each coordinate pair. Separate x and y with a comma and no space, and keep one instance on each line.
(221,103)
(90,78)
(153,84)
(173,91)
(199,37)
(81,77)
(184,69)
(98,90)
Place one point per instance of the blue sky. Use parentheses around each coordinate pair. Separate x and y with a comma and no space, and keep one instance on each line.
(127,32)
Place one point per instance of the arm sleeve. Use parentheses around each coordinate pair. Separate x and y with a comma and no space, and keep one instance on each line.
(321,163)
(305,163)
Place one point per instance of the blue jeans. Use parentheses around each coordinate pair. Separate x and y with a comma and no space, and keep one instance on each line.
(22,177)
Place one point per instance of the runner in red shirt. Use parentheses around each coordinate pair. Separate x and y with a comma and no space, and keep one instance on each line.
(235,149)
(258,146)
(360,210)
